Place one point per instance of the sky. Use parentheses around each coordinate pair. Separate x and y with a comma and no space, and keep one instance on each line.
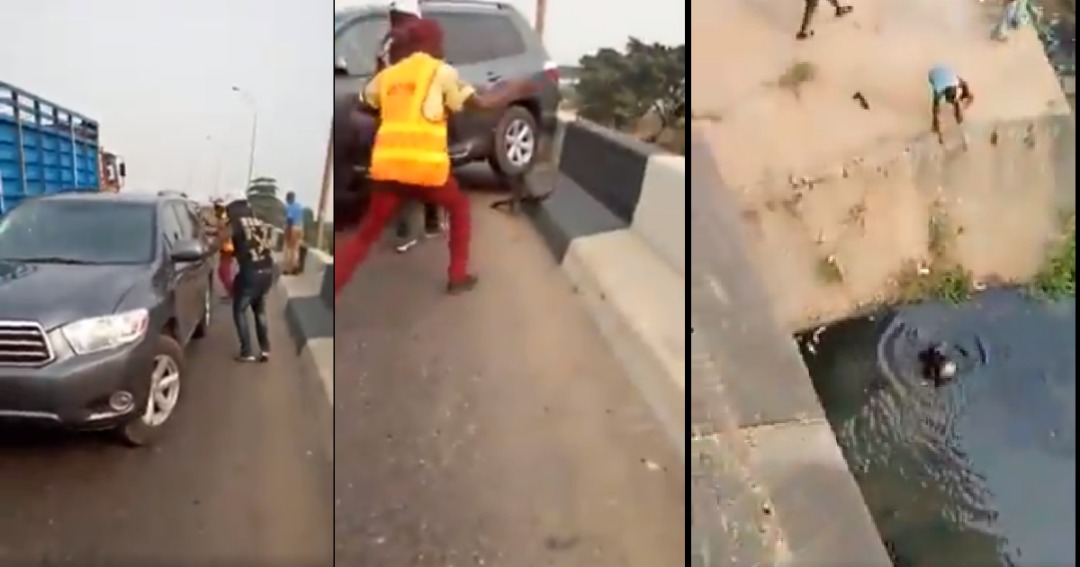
(158,78)
(574,27)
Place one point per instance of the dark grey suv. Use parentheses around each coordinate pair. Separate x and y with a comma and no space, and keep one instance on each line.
(487,42)
(99,295)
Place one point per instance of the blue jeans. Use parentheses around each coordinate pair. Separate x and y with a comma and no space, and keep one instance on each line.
(250,293)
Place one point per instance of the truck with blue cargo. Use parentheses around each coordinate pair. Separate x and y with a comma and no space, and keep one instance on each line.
(46,149)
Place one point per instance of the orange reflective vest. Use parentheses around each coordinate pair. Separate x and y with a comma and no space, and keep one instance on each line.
(409,148)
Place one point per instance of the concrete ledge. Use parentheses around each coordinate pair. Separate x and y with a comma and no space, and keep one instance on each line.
(636,300)
(311,320)
(660,216)
(569,213)
(614,220)
(765,465)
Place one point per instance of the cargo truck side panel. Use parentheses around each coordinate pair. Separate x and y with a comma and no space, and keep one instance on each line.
(44,148)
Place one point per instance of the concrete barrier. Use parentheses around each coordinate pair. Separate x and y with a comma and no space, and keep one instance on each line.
(615,222)
(765,461)
(309,313)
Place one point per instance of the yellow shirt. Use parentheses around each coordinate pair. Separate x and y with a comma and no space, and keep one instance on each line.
(448,92)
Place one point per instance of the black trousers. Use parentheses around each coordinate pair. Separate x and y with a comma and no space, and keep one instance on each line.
(809,10)
(405,228)
(249,293)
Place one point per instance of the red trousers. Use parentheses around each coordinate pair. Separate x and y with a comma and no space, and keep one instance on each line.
(225,272)
(386,199)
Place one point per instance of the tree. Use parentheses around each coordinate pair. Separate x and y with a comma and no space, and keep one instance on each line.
(262,194)
(621,89)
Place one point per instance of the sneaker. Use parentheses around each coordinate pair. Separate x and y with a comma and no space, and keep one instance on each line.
(264,356)
(433,232)
(247,358)
(405,246)
(842,11)
(466,284)
(804,35)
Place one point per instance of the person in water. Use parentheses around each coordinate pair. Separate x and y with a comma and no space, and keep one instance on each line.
(810,7)
(946,85)
(937,367)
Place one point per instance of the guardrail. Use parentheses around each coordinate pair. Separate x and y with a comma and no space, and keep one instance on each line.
(615,221)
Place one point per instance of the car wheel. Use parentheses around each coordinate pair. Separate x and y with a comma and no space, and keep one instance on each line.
(162,396)
(204,324)
(516,143)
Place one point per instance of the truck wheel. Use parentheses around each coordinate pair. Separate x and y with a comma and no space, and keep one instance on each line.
(163,394)
(516,143)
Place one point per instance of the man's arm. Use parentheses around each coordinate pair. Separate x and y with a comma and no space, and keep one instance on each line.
(368,102)
(935,120)
(459,95)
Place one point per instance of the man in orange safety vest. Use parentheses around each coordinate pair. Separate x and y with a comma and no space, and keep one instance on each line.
(410,158)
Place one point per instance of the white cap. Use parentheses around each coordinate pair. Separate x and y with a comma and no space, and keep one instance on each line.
(406,7)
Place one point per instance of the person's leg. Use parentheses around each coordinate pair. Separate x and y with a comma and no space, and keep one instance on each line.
(352,253)
(262,329)
(456,204)
(241,301)
(224,271)
(809,7)
(297,242)
(405,228)
(289,259)
(432,220)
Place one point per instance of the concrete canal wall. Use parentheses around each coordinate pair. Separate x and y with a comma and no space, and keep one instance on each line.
(789,172)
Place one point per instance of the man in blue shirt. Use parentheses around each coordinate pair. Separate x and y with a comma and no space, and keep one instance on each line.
(946,85)
(294,233)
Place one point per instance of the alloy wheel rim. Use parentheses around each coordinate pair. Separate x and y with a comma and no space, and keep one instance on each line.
(519,143)
(164,391)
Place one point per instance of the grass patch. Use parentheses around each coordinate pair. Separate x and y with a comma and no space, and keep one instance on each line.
(828,270)
(943,278)
(1056,279)
(798,74)
(943,282)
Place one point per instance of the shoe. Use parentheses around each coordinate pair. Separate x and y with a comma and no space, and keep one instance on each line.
(843,11)
(804,35)
(247,358)
(405,246)
(264,356)
(466,284)
(433,232)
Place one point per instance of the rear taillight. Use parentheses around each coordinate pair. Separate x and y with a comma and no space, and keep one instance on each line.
(551,71)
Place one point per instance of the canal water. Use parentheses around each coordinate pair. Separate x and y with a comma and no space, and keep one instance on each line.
(981,471)
(978,472)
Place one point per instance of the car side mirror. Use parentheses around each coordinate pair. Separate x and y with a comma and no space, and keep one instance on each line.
(340,67)
(123,170)
(190,250)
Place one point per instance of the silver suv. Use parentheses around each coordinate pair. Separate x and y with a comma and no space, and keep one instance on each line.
(487,42)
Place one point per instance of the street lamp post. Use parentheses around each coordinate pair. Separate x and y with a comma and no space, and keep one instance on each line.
(254,131)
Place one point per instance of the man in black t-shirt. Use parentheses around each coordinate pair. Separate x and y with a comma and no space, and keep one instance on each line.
(252,241)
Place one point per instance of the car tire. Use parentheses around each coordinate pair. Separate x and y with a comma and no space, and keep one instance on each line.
(516,144)
(208,307)
(146,427)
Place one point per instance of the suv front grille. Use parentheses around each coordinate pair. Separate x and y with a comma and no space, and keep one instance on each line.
(23,344)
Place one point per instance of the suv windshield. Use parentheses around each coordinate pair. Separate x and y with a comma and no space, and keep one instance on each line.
(78,232)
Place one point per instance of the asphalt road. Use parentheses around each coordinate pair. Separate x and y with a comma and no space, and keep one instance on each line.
(492,428)
(242,477)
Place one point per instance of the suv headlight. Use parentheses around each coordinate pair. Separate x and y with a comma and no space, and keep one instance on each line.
(102,333)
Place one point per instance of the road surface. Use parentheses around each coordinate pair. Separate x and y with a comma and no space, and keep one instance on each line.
(242,477)
(492,428)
